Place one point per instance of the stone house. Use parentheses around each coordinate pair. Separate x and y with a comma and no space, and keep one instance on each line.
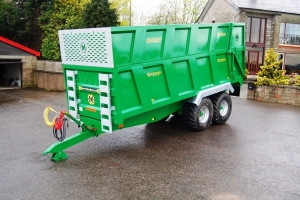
(268,24)
(17,63)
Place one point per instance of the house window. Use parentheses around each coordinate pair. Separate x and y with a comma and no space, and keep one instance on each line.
(292,63)
(256,30)
(289,34)
(281,57)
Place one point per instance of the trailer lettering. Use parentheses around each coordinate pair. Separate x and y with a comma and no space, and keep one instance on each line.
(89,89)
(220,34)
(221,59)
(153,40)
(158,73)
(91,109)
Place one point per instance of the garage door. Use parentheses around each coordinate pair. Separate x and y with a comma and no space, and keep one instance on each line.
(10,73)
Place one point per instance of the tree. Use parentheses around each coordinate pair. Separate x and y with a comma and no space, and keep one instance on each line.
(58,15)
(192,10)
(98,13)
(9,18)
(32,11)
(177,12)
(29,30)
(123,8)
(270,73)
(18,21)
(168,13)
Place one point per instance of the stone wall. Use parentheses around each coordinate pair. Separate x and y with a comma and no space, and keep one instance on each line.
(49,80)
(276,30)
(276,94)
(49,66)
(273,30)
(49,75)
(221,11)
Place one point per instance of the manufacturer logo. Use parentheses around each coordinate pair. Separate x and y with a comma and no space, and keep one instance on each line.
(83,47)
(91,99)
(237,36)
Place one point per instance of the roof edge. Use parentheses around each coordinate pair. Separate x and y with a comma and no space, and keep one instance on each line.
(19,46)
(269,11)
(205,10)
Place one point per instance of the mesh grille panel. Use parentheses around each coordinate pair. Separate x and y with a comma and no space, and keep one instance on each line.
(90,47)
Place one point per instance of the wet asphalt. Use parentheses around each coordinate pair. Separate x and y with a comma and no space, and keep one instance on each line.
(255,155)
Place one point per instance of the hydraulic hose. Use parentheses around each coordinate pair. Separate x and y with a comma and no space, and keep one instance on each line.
(46,118)
(62,129)
(60,122)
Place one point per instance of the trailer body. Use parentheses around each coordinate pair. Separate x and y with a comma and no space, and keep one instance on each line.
(119,77)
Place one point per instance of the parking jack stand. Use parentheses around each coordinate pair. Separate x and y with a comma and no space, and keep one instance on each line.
(58,156)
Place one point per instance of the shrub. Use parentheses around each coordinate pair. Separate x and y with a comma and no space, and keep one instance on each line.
(270,73)
(246,72)
(295,80)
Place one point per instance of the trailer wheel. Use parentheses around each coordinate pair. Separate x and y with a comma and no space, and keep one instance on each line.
(198,118)
(222,108)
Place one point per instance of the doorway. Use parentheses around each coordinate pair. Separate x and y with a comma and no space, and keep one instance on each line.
(252,65)
(255,43)
(10,73)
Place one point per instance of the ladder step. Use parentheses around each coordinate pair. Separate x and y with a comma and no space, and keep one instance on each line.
(104,86)
(71,91)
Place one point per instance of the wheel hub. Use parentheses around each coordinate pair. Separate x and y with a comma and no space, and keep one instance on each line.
(223,108)
(203,114)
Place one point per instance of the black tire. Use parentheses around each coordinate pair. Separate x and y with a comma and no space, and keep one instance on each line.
(222,108)
(198,118)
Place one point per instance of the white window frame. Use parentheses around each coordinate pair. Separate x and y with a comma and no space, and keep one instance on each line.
(283,59)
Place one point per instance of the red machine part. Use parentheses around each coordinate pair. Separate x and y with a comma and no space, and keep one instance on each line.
(59,121)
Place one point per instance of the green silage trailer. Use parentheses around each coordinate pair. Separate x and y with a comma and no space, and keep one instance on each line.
(119,77)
